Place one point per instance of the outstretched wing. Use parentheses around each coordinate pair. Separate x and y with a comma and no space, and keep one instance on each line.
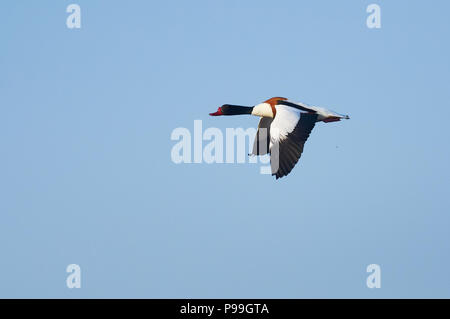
(262,138)
(288,133)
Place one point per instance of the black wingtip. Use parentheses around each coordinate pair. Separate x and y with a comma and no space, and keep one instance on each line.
(277,175)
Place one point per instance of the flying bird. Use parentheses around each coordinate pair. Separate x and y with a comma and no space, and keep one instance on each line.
(283,129)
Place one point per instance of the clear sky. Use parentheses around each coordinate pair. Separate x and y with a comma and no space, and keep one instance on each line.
(86,175)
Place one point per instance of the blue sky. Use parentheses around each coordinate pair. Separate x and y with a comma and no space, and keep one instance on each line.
(86,175)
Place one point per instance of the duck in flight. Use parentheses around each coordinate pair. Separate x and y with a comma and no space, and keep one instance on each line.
(283,129)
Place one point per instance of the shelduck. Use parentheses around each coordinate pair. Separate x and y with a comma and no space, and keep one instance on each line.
(283,129)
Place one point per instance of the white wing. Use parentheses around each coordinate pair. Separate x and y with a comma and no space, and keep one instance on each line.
(284,122)
(288,133)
